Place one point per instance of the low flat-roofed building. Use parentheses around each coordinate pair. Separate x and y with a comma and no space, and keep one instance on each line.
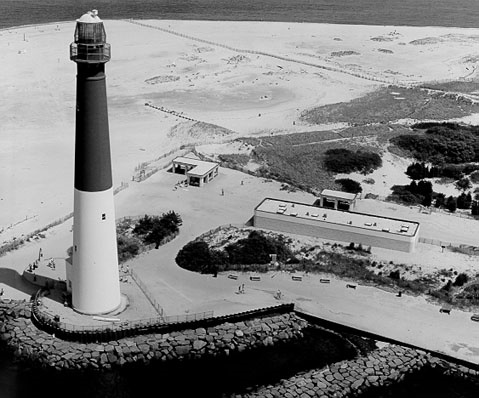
(330,224)
(338,200)
(198,172)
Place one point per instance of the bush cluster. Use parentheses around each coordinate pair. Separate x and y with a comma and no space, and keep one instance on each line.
(419,171)
(341,160)
(148,230)
(414,193)
(348,185)
(153,229)
(442,143)
(255,249)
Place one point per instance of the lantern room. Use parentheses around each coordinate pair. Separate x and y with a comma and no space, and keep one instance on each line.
(90,44)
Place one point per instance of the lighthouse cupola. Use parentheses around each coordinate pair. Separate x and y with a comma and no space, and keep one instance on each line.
(90,44)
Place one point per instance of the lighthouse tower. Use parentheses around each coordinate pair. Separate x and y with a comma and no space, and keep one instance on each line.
(95,282)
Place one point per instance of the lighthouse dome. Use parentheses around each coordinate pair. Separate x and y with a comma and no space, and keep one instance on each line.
(90,17)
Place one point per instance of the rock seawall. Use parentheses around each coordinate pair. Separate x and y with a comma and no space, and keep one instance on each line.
(28,343)
(353,378)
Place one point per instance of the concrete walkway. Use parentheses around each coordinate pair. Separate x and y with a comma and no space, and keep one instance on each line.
(408,319)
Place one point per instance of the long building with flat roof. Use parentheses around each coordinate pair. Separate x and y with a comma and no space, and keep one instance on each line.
(344,226)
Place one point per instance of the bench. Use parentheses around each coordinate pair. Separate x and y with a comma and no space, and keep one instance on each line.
(324,281)
(348,286)
(231,276)
(254,278)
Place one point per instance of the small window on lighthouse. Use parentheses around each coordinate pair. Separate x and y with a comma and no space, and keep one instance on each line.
(103,216)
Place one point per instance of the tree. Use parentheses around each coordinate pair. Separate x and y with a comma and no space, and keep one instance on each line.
(463,184)
(194,256)
(157,234)
(464,201)
(440,200)
(349,185)
(417,171)
(127,247)
(461,279)
(451,204)
(341,160)
(144,225)
(155,229)
(424,188)
(475,208)
(256,249)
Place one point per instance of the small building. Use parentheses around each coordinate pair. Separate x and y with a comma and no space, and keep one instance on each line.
(337,225)
(336,200)
(198,172)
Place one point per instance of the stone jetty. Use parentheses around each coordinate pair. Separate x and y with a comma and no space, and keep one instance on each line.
(353,378)
(28,343)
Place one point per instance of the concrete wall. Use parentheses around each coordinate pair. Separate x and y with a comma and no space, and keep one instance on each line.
(331,231)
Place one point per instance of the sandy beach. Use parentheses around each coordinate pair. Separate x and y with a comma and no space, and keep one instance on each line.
(198,79)
(246,78)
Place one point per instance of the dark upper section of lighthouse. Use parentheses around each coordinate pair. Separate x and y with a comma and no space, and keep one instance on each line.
(90,44)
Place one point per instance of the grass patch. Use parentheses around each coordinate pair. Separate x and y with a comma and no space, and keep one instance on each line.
(390,104)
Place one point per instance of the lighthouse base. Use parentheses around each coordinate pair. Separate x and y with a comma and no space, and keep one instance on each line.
(94,271)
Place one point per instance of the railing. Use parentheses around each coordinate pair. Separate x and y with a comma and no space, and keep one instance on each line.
(147,294)
(15,243)
(80,52)
(52,324)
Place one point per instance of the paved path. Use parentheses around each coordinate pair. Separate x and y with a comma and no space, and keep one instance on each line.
(408,319)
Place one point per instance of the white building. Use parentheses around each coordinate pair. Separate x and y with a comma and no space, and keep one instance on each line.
(198,172)
(330,224)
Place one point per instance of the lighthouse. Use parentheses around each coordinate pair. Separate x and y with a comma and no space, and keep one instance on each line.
(95,285)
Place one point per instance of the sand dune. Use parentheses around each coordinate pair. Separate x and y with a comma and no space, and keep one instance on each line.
(248,77)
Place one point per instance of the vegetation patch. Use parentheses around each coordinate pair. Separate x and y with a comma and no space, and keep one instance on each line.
(341,160)
(133,237)
(233,160)
(442,143)
(457,86)
(348,185)
(298,159)
(256,248)
(414,193)
(393,103)
(350,262)
(344,53)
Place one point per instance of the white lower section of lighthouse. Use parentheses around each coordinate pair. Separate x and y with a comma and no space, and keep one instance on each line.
(95,277)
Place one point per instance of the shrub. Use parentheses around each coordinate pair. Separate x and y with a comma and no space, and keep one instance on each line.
(256,249)
(348,185)
(195,256)
(447,143)
(144,225)
(440,200)
(461,279)
(447,286)
(155,229)
(341,160)
(463,184)
(451,204)
(128,247)
(474,177)
(464,201)
(395,275)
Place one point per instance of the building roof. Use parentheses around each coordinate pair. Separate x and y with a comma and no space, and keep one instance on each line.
(338,194)
(352,219)
(201,167)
